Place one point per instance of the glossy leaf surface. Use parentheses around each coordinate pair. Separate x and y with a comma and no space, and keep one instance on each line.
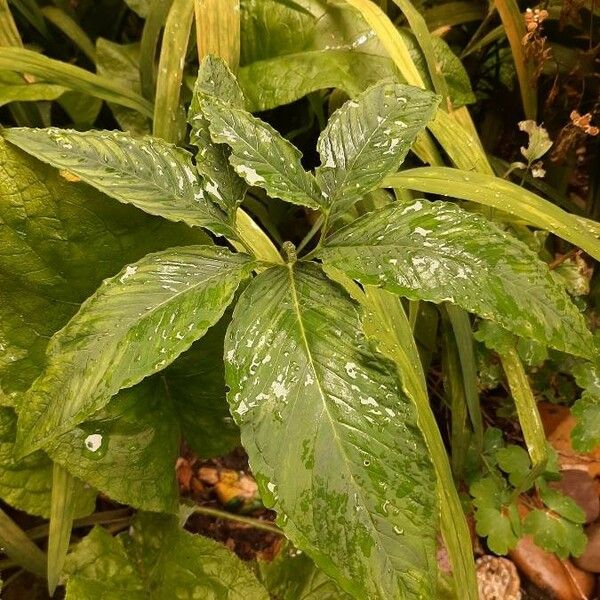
(136,324)
(437,252)
(156,560)
(332,439)
(260,154)
(368,138)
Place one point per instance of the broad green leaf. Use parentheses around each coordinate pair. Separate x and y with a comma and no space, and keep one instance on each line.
(152,175)
(128,450)
(58,242)
(137,323)
(555,534)
(293,576)
(260,154)
(121,62)
(212,160)
(26,484)
(331,437)
(14,88)
(438,252)
(156,560)
(585,436)
(515,461)
(368,138)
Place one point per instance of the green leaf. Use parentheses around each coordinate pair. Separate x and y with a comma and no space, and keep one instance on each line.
(559,503)
(196,384)
(152,175)
(293,576)
(585,436)
(260,154)
(128,450)
(58,242)
(157,560)
(121,63)
(332,439)
(492,516)
(438,252)
(137,323)
(15,88)
(26,484)
(515,461)
(141,7)
(368,138)
(212,160)
(555,534)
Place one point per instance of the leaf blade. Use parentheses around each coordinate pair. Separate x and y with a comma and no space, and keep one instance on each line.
(317,475)
(437,252)
(172,298)
(152,175)
(368,138)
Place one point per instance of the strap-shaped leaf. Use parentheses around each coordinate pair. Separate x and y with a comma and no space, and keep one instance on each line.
(368,138)
(156,560)
(134,325)
(260,154)
(212,160)
(157,177)
(439,252)
(331,437)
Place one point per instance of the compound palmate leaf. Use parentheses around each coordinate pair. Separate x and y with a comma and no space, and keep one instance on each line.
(136,324)
(156,560)
(332,439)
(155,176)
(368,138)
(439,252)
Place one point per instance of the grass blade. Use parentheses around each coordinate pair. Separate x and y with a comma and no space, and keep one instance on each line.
(218,30)
(514,24)
(62,509)
(71,29)
(169,121)
(159,9)
(500,194)
(75,78)
(391,40)
(9,34)
(19,547)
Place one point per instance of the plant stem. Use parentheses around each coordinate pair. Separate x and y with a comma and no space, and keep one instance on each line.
(309,236)
(221,514)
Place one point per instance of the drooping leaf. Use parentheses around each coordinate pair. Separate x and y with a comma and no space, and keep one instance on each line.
(260,154)
(15,88)
(26,484)
(58,242)
(368,138)
(141,7)
(212,160)
(293,576)
(136,324)
(156,177)
(332,439)
(157,560)
(438,252)
(121,63)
